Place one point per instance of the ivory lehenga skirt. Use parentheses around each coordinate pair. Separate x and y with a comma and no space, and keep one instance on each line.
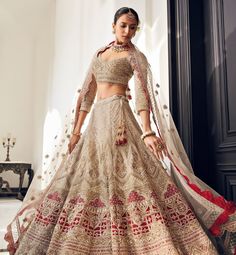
(114,199)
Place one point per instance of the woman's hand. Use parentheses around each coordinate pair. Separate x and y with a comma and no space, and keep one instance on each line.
(73,141)
(152,143)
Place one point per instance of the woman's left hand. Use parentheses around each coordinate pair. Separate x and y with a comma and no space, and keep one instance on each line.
(73,141)
(152,142)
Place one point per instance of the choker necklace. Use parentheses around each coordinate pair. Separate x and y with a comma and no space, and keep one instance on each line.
(119,48)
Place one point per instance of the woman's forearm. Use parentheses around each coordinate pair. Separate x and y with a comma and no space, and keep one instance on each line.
(79,124)
(145,119)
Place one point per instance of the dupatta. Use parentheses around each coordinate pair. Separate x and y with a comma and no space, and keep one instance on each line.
(216,214)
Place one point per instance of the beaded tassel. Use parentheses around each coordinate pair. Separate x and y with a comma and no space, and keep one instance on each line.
(128,95)
(121,137)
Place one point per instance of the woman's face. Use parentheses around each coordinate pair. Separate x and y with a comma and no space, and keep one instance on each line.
(125,28)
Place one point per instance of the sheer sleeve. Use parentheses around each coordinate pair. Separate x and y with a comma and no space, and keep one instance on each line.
(89,97)
(87,92)
(142,101)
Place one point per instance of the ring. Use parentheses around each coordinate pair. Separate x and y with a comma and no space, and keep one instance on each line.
(160,146)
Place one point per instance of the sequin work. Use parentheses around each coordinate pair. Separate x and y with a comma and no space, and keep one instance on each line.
(111,201)
(116,71)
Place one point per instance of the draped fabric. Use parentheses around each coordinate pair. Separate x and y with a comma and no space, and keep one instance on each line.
(113,199)
(216,214)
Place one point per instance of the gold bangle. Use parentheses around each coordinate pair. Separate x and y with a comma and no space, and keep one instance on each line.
(77,134)
(148,133)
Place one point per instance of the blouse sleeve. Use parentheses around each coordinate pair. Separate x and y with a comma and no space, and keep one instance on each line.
(89,95)
(140,88)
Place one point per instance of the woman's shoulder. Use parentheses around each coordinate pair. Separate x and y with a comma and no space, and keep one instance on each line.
(96,53)
(102,48)
(139,53)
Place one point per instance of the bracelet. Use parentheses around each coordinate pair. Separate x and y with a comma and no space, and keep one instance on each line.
(77,134)
(148,133)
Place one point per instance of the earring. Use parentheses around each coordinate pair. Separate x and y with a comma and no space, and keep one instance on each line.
(113,31)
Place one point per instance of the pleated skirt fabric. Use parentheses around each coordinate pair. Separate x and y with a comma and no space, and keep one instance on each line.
(114,199)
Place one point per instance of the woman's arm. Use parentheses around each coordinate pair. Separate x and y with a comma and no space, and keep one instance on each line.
(80,122)
(145,119)
(142,103)
(83,107)
(84,110)
(76,133)
(151,141)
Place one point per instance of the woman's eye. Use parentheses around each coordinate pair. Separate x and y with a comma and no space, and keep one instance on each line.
(124,26)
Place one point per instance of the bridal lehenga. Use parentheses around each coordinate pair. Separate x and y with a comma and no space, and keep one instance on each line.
(111,195)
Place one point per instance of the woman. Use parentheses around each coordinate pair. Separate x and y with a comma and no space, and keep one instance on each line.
(111,195)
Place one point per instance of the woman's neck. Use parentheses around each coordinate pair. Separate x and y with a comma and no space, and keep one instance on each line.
(116,42)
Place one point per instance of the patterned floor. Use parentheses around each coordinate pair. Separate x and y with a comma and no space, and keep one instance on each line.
(8,209)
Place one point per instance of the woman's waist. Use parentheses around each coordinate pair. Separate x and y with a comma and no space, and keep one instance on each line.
(110,86)
(110,98)
(105,90)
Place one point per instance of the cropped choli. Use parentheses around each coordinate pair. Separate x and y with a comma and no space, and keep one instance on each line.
(115,71)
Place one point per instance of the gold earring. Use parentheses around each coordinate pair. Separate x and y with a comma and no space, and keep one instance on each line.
(113,31)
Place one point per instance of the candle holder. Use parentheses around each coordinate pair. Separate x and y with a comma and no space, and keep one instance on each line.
(8,143)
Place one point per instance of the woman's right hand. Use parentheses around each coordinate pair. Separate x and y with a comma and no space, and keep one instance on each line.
(73,141)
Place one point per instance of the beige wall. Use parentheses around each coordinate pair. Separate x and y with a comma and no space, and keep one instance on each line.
(26,37)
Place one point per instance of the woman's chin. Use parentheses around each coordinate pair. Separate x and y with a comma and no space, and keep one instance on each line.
(123,40)
(126,40)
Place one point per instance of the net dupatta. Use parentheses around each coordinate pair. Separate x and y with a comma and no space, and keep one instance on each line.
(53,166)
(213,211)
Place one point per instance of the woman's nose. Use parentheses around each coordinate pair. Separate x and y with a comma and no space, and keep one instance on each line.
(127,30)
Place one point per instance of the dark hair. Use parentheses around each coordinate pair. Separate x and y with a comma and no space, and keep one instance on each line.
(125,10)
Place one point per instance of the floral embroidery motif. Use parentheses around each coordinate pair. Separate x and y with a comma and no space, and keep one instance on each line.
(137,214)
(108,200)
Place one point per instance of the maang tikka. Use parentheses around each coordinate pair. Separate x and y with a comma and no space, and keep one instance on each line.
(131,15)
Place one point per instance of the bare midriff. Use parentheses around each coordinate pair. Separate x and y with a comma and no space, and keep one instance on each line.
(106,89)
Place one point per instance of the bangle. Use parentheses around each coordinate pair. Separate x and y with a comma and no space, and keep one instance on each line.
(77,134)
(148,133)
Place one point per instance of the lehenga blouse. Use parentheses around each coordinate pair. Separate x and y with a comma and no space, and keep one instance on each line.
(115,71)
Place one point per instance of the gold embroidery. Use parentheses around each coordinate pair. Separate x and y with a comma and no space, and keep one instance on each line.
(109,200)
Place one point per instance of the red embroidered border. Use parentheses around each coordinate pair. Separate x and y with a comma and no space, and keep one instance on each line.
(228,206)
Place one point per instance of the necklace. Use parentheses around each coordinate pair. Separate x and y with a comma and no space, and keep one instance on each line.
(119,48)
